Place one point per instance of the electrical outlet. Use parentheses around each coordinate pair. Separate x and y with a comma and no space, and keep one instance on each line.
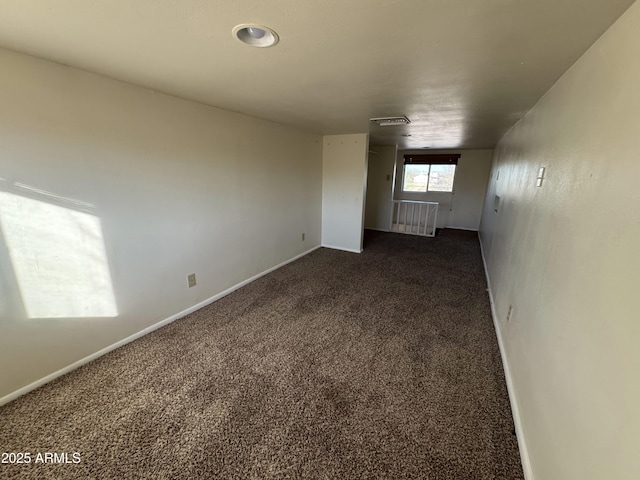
(303,237)
(509,313)
(191,279)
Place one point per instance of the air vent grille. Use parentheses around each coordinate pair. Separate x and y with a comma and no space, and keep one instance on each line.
(390,121)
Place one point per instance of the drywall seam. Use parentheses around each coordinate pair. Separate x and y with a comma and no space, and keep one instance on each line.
(333,247)
(513,399)
(38,383)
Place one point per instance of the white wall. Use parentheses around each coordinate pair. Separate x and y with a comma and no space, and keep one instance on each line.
(135,191)
(344,181)
(565,255)
(463,208)
(382,160)
(470,187)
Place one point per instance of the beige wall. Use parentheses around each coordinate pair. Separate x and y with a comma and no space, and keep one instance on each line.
(463,208)
(129,191)
(344,181)
(566,257)
(382,160)
(470,187)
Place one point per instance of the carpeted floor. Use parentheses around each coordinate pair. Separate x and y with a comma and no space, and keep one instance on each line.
(337,366)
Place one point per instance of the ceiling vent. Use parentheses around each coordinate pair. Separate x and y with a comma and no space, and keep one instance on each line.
(389,121)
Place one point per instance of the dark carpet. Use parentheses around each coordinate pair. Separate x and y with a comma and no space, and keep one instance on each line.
(378,365)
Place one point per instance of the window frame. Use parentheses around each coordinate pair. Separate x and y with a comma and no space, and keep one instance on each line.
(430,160)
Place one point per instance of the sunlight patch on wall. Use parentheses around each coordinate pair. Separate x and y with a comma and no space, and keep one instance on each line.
(59,259)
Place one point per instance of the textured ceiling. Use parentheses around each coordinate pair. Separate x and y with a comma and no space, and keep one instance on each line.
(463,71)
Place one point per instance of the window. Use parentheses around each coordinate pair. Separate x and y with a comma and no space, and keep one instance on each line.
(429,173)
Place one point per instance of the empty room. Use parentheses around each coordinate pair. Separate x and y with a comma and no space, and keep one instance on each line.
(363,239)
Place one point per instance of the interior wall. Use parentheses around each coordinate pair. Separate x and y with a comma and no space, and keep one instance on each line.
(565,256)
(470,188)
(382,161)
(463,208)
(112,194)
(344,181)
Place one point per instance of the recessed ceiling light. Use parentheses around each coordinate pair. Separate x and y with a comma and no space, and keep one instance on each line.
(255,35)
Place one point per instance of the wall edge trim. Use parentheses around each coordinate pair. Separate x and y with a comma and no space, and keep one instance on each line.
(333,247)
(513,399)
(450,227)
(79,363)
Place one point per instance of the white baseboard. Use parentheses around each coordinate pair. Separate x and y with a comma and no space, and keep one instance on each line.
(377,229)
(38,383)
(513,398)
(333,247)
(460,228)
